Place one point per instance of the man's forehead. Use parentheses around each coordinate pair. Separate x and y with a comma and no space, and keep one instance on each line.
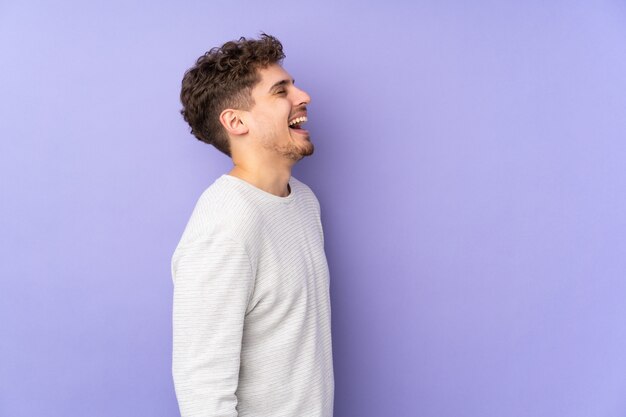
(274,75)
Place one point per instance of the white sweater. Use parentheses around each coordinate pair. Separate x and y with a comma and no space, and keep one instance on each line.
(251,312)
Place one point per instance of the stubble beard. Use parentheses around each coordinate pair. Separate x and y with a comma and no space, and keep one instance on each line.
(291,150)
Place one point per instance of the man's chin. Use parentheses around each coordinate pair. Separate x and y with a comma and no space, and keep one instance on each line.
(296,155)
(295,150)
(307,149)
(301,151)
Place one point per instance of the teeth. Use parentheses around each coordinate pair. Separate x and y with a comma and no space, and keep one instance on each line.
(298,120)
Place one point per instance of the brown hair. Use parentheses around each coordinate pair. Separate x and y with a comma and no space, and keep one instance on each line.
(223,78)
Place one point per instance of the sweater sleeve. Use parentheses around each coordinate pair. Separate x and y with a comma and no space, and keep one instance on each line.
(213,283)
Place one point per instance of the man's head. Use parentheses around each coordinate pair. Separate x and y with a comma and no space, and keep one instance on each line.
(224,96)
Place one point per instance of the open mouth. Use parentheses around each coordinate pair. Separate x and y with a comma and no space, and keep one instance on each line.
(297,123)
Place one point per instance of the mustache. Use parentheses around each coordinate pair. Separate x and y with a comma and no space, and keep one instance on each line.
(300,109)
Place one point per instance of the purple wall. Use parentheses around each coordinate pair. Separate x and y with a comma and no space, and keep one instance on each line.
(469,162)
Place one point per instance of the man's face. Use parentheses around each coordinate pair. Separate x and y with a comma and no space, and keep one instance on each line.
(277,115)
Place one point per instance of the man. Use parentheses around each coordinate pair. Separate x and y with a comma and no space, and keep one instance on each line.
(251,314)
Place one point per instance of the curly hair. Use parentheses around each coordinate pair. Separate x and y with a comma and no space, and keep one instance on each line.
(223,78)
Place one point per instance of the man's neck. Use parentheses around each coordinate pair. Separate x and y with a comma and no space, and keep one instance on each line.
(272,181)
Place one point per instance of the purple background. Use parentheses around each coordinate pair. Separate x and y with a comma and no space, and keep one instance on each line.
(470,162)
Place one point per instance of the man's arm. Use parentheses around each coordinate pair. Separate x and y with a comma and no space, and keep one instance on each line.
(212,285)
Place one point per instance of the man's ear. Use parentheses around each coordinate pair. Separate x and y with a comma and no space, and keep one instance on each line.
(231,120)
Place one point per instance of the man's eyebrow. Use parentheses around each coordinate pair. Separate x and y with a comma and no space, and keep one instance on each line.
(282,83)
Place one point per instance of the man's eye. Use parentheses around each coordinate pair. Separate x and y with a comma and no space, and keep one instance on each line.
(281,92)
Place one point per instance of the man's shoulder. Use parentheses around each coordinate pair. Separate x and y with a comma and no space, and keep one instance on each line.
(224,198)
(221,210)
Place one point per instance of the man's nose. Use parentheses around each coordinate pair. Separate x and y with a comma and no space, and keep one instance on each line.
(302,97)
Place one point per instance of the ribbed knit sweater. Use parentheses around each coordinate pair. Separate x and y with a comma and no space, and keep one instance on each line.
(251,308)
